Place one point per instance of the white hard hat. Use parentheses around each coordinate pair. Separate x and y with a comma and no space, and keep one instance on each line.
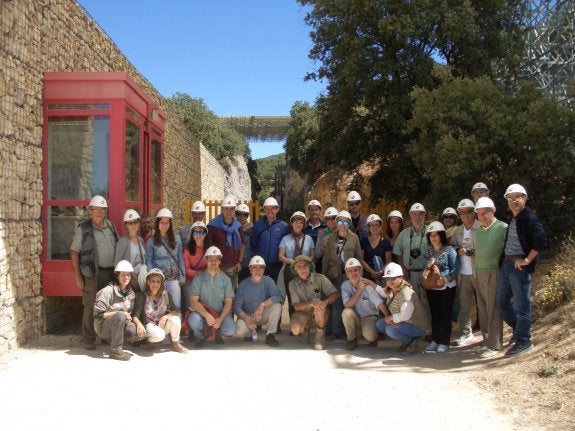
(229,202)
(435,226)
(213,251)
(98,201)
(198,207)
(395,213)
(392,270)
(156,271)
(352,263)
(330,212)
(124,266)
(314,203)
(344,214)
(465,203)
(353,196)
(373,217)
(243,208)
(480,186)
(164,212)
(484,202)
(257,260)
(201,224)
(131,215)
(449,211)
(298,214)
(271,202)
(416,207)
(515,188)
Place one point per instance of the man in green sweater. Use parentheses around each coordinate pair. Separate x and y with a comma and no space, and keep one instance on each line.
(489,245)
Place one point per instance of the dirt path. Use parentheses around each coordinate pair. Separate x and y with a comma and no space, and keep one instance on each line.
(55,385)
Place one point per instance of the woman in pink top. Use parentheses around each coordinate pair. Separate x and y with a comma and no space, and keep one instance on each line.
(194,261)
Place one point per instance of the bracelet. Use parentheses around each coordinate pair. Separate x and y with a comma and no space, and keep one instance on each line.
(527,260)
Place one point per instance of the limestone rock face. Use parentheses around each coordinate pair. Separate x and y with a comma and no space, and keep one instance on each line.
(237,180)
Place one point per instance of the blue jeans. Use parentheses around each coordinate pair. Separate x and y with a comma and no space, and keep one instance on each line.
(517,284)
(405,333)
(196,322)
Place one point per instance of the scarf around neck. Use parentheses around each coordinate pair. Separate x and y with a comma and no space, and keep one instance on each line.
(232,232)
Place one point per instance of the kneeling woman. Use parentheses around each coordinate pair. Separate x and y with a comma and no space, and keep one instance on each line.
(155,314)
(112,312)
(407,320)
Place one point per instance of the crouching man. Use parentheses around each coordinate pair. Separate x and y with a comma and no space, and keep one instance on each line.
(362,305)
(258,302)
(311,294)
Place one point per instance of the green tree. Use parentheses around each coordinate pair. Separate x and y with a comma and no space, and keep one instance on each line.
(301,139)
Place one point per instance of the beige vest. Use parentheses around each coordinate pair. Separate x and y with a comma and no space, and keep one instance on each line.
(406,293)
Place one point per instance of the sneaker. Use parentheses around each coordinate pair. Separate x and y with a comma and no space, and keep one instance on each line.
(177,347)
(351,344)
(153,346)
(411,349)
(319,340)
(271,340)
(519,349)
(119,356)
(488,353)
(200,341)
(442,348)
(432,347)
(464,339)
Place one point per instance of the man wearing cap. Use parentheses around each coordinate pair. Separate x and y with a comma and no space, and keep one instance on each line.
(198,212)
(463,241)
(489,244)
(311,295)
(243,215)
(211,298)
(226,233)
(362,305)
(526,237)
(410,247)
(314,224)
(92,253)
(358,220)
(258,301)
(267,235)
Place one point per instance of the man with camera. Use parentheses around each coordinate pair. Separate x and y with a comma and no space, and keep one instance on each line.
(463,241)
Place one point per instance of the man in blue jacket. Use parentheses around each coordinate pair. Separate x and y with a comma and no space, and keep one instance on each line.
(525,239)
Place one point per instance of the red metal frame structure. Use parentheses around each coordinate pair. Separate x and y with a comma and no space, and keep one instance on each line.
(102,135)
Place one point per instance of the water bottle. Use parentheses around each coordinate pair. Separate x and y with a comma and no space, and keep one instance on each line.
(254,334)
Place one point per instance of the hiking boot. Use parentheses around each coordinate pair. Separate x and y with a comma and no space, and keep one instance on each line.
(487,353)
(432,347)
(411,349)
(271,340)
(89,345)
(373,343)
(519,349)
(351,344)
(319,339)
(200,341)
(177,347)
(119,356)
(154,346)
(219,339)
(463,339)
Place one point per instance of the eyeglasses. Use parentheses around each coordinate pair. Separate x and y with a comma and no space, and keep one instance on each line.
(466,212)
(343,222)
(515,197)
(353,203)
(198,232)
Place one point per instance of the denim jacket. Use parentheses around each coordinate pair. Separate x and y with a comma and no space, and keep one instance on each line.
(157,256)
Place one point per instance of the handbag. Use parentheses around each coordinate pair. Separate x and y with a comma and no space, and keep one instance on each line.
(430,277)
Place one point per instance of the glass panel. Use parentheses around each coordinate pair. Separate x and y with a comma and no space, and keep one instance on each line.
(156,132)
(132,162)
(156,172)
(78,150)
(60,224)
(80,107)
(132,114)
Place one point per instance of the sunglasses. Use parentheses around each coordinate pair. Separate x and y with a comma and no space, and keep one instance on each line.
(198,232)
(343,222)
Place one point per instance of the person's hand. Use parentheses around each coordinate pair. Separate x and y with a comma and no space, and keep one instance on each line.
(140,330)
(127,317)
(250,323)
(258,313)
(520,263)
(163,320)
(238,267)
(441,281)
(461,252)
(79,282)
(210,320)
(319,305)
(217,323)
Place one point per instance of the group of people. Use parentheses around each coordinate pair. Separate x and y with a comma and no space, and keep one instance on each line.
(340,275)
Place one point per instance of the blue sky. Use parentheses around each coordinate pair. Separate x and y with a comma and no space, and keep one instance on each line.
(245,57)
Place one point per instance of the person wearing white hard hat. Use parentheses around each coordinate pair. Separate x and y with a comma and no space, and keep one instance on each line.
(330,216)
(362,305)
(267,235)
(407,320)
(243,216)
(198,213)
(194,260)
(409,248)
(341,246)
(113,312)
(131,247)
(92,254)
(358,224)
(441,298)
(376,250)
(211,297)
(258,302)
(463,241)
(155,314)
(293,245)
(394,227)
(479,190)
(489,246)
(314,223)
(164,251)
(226,233)
(449,220)
(526,238)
